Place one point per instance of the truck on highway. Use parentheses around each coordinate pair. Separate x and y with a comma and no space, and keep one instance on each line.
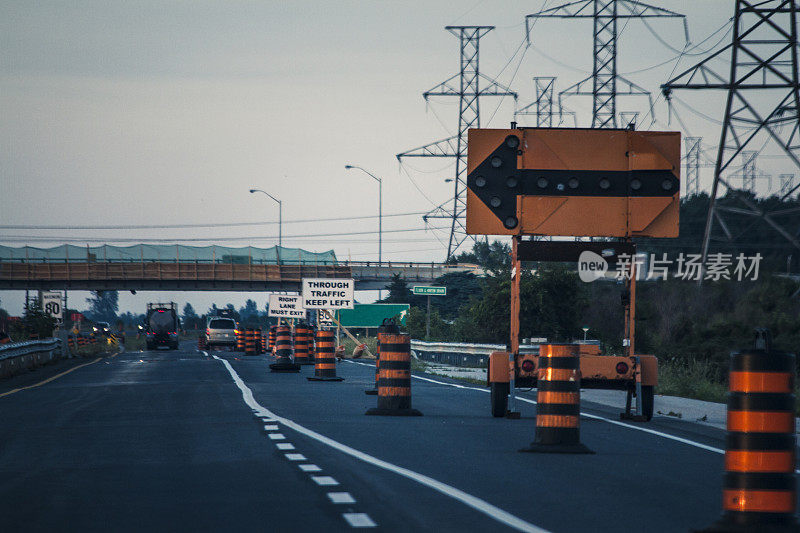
(161,325)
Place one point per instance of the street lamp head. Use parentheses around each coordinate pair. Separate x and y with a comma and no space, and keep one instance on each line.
(348,167)
(252,190)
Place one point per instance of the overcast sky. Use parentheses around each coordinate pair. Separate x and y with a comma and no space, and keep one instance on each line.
(164,112)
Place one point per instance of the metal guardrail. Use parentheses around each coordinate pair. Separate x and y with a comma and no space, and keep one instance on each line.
(461,354)
(16,349)
(17,356)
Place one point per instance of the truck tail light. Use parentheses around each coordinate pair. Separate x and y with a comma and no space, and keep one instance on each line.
(622,368)
(527,365)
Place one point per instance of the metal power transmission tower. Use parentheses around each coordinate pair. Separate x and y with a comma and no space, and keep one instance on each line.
(467,86)
(692,147)
(606,83)
(762,98)
(787,180)
(749,170)
(544,108)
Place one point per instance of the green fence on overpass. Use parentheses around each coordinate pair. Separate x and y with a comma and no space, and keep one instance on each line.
(167,253)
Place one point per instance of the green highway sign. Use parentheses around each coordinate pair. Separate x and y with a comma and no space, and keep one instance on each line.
(430,291)
(371,315)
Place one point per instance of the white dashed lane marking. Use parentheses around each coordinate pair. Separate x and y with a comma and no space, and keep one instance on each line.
(270,428)
(341,497)
(285,446)
(310,468)
(276,436)
(359,520)
(324,481)
(295,456)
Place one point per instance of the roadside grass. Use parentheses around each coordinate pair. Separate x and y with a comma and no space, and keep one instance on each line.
(132,344)
(697,380)
(349,345)
(691,379)
(91,350)
(418,365)
(473,381)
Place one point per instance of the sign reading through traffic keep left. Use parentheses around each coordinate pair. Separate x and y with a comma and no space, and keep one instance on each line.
(328,293)
(286,306)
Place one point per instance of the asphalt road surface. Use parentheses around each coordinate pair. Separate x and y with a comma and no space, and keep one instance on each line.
(193,441)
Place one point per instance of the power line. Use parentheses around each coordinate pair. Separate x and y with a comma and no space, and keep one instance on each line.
(202,225)
(728,25)
(10,238)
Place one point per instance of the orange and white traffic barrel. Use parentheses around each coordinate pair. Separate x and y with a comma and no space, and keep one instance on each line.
(394,381)
(325,357)
(759,486)
(558,401)
(283,351)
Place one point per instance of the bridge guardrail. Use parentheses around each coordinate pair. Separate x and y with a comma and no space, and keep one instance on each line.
(461,354)
(18,356)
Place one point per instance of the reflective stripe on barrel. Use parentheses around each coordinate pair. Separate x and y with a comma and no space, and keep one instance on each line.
(759,486)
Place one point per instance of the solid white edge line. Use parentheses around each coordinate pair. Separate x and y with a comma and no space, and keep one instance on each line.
(467,499)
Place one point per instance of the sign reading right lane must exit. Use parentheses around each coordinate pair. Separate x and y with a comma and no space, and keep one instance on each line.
(429,291)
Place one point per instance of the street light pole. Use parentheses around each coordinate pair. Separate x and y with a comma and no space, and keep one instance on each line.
(380,207)
(380,214)
(280,215)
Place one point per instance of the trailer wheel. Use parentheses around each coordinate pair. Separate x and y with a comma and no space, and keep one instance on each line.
(648,395)
(499,395)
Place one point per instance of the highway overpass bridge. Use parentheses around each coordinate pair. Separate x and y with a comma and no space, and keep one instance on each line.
(144,267)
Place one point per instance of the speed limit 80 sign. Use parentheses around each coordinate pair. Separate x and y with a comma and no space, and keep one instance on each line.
(51,304)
